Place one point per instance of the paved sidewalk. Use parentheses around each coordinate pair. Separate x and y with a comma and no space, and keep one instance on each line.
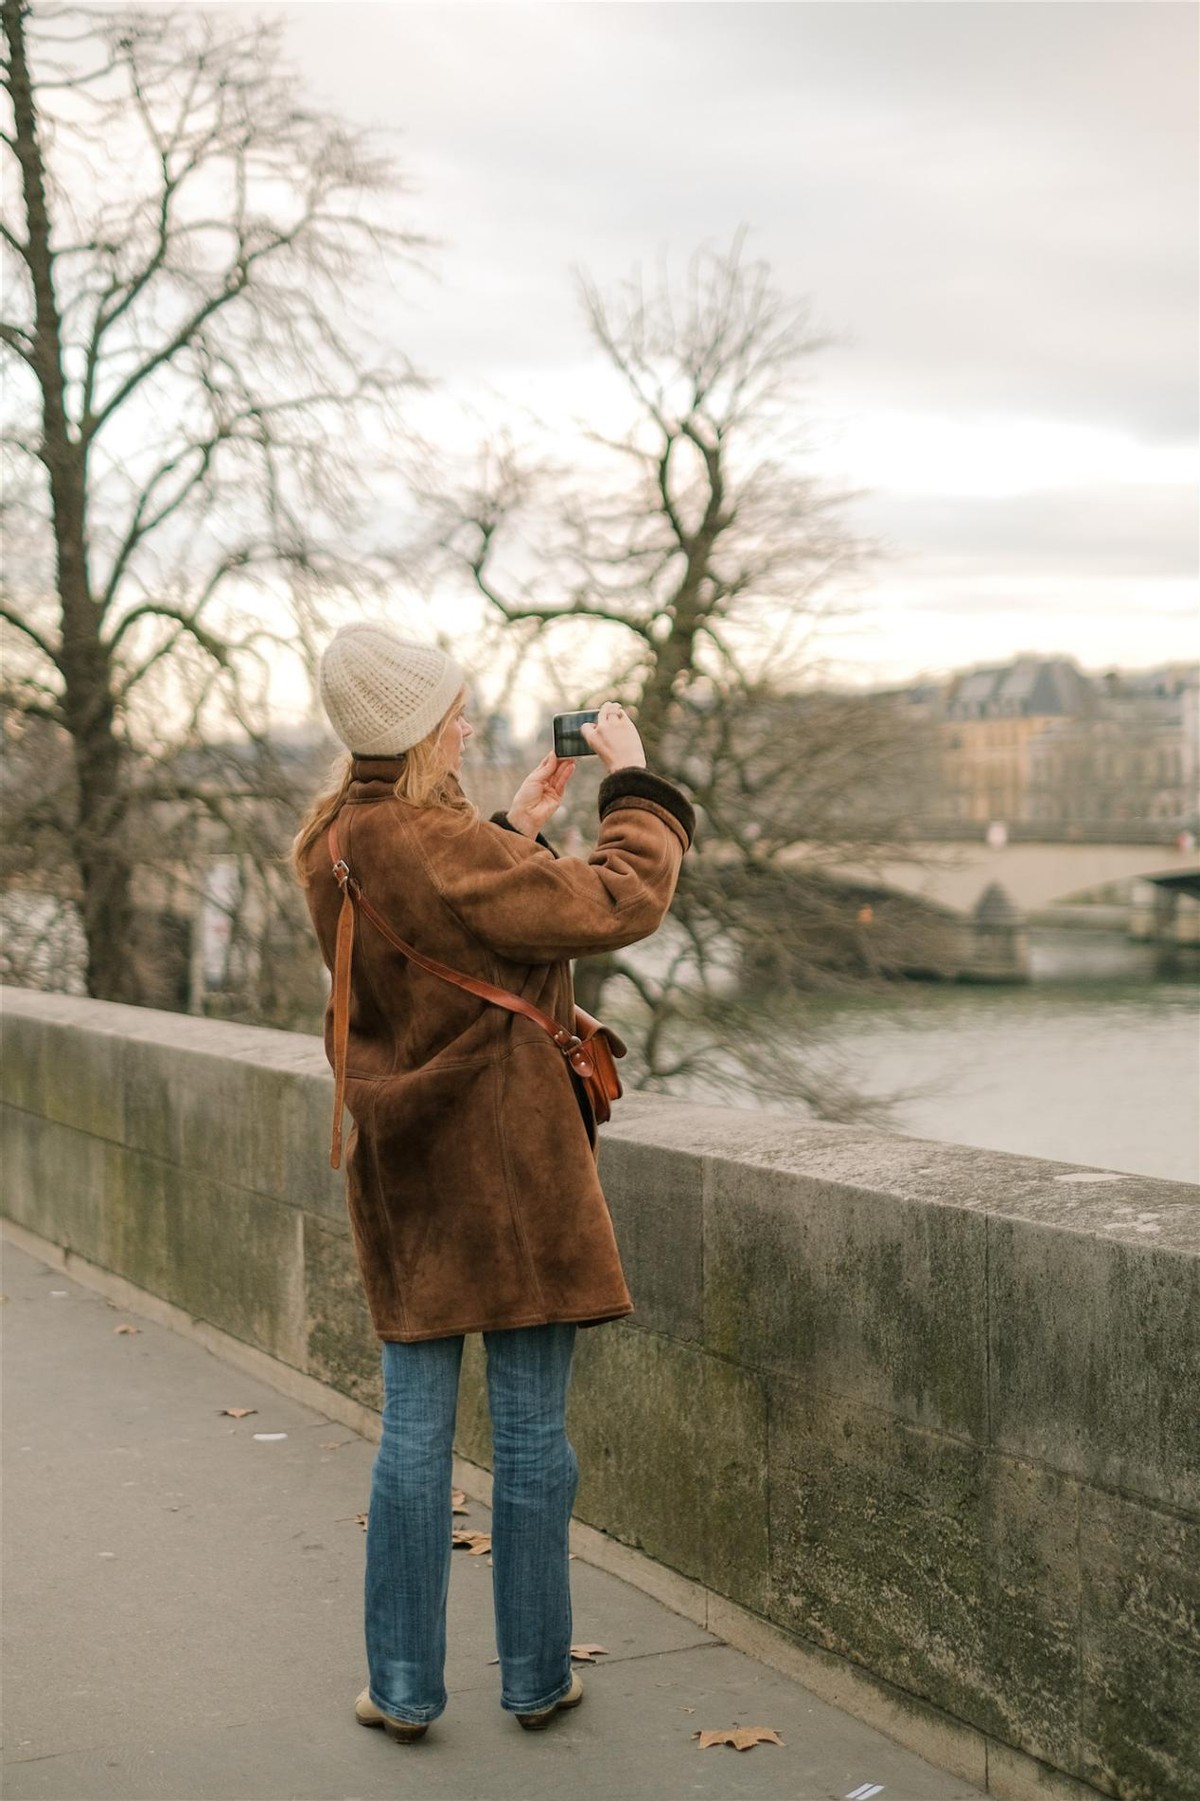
(183,1612)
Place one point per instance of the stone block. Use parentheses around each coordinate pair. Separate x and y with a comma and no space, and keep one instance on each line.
(152,1080)
(876,1545)
(1031,1593)
(23,1043)
(19,1198)
(64,1060)
(137,1205)
(856,1293)
(236,1259)
(655,1197)
(1095,1359)
(672,1453)
(83,1081)
(54,1183)
(341,1343)
(308,1182)
(1140,1649)
(215,1114)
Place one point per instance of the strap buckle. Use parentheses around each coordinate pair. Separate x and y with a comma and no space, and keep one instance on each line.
(567,1041)
(341,872)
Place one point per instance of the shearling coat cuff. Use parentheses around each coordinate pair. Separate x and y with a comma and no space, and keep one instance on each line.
(506,822)
(641,787)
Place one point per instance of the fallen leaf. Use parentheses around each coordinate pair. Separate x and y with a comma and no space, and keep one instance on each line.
(360,1519)
(742,1738)
(458,1501)
(474,1542)
(235,1413)
(587,1653)
(335,1444)
(127,1328)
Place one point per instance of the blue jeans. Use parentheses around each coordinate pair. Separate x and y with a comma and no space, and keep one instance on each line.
(534,1478)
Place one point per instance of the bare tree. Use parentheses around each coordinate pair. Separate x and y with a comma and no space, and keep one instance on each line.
(191,405)
(700,551)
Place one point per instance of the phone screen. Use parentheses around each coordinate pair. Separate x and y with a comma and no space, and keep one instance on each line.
(568,739)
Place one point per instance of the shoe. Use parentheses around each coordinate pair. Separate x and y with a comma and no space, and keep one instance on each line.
(535,1722)
(403,1731)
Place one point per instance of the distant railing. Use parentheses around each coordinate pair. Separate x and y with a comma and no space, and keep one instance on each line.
(1166,832)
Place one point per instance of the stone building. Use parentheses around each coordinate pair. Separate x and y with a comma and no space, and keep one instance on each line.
(992,719)
(1131,761)
(1037,742)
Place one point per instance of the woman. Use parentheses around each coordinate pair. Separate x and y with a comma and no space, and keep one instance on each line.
(470,1176)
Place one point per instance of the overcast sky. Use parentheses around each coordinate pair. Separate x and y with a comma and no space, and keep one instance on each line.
(993,201)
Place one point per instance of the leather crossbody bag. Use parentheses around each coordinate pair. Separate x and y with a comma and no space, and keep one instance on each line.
(591,1049)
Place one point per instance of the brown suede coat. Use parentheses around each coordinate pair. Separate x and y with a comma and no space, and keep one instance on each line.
(471,1181)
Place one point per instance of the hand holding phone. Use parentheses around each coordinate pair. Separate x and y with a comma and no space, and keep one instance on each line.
(540,794)
(614,738)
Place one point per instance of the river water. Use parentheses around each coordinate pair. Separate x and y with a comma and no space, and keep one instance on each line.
(1094,1062)
(1106,1078)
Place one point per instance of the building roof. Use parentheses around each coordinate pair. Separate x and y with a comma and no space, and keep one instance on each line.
(1029,686)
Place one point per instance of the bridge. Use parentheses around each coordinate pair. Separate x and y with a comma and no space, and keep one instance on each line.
(954,908)
(897,1454)
(1035,876)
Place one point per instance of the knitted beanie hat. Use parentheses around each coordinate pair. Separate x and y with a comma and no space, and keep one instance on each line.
(382,693)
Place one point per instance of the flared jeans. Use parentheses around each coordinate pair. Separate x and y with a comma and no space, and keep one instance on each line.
(534,1478)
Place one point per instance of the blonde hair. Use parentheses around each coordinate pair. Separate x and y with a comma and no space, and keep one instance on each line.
(425,779)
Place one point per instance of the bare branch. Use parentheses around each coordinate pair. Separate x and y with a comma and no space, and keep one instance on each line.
(23,625)
(18,342)
(9,237)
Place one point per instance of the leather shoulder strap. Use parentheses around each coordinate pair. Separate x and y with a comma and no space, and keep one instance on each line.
(343,957)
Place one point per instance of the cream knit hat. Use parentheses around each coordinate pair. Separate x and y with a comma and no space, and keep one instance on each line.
(382,693)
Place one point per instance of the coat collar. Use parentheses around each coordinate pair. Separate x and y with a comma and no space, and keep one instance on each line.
(375,769)
(372,778)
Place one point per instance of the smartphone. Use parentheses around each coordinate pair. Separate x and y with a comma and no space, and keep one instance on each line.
(569,741)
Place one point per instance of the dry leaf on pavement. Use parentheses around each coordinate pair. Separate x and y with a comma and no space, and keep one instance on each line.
(235,1413)
(474,1542)
(458,1501)
(127,1328)
(742,1738)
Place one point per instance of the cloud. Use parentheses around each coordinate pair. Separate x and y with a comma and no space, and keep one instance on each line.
(995,203)
(1109,530)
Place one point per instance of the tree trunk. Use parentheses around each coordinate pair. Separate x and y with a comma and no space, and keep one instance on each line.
(676,656)
(87,701)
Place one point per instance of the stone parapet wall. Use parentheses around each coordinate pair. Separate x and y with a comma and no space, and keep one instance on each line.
(928,1409)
